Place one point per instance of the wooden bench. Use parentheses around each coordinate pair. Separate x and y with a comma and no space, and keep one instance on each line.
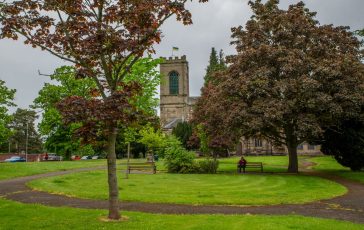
(253,165)
(146,166)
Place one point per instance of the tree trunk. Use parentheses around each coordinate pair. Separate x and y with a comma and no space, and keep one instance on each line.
(239,149)
(114,212)
(293,159)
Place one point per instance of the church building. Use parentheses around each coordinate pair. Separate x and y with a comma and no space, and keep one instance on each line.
(176,106)
(175,102)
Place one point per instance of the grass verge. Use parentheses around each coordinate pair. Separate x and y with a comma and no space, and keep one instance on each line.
(219,189)
(329,164)
(14,215)
(19,169)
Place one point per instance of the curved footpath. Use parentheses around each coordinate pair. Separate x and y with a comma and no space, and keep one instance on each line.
(349,207)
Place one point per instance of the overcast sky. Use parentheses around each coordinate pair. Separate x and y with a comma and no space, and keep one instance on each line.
(19,64)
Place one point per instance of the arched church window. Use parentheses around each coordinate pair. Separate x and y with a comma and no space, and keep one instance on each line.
(173,83)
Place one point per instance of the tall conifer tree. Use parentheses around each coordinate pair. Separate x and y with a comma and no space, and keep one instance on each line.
(216,63)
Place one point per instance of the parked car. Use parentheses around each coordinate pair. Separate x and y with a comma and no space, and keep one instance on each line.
(95,157)
(86,158)
(15,159)
(54,157)
(75,158)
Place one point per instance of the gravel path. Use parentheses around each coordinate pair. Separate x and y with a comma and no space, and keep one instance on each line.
(349,207)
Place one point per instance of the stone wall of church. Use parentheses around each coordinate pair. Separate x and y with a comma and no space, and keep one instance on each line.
(174,106)
(259,146)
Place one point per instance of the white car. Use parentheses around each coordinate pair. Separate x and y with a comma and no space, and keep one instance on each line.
(54,157)
(86,158)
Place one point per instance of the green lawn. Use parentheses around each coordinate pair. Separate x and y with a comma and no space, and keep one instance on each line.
(329,164)
(228,189)
(19,169)
(14,215)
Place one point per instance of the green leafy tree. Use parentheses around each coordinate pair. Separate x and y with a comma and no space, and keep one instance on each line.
(23,127)
(202,136)
(152,138)
(361,32)
(59,136)
(145,72)
(6,100)
(290,79)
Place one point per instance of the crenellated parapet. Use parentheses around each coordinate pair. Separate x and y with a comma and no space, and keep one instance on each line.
(175,59)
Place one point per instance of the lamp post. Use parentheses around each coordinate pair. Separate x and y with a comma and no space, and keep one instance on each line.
(26,143)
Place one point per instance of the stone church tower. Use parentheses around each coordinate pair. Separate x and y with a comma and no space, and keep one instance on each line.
(175,101)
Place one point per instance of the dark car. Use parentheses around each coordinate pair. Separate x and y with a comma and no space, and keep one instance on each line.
(15,159)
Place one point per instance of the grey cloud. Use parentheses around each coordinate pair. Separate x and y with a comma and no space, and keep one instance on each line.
(19,64)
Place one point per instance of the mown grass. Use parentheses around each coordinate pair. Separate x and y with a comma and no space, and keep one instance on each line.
(219,189)
(14,215)
(19,169)
(329,164)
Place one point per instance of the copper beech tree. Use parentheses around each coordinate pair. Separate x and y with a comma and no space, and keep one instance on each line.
(290,79)
(103,40)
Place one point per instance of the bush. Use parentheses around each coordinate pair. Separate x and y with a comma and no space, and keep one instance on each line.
(208,166)
(179,160)
(169,142)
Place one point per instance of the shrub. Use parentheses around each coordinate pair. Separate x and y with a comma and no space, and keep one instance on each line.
(208,166)
(169,142)
(179,160)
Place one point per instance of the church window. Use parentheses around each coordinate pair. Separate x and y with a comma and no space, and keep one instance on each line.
(258,143)
(174,83)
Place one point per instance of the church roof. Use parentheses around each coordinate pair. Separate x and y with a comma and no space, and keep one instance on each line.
(173,123)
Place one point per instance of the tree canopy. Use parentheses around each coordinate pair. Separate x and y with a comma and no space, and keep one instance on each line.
(59,136)
(291,78)
(23,128)
(6,100)
(216,63)
(103,39)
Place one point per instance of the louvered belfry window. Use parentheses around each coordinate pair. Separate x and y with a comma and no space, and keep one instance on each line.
(173,83)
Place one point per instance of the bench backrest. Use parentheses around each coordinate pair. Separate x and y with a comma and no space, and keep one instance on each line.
(254,163)
(139,163)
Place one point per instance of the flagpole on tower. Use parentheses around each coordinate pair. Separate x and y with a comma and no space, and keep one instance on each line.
(174,49)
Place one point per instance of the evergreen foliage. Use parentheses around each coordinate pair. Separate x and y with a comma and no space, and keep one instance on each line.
(216,63)
(183,131)
(346,143)
(23,126)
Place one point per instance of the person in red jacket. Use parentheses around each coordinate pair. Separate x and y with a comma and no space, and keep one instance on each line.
(46,156)
(241,164)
